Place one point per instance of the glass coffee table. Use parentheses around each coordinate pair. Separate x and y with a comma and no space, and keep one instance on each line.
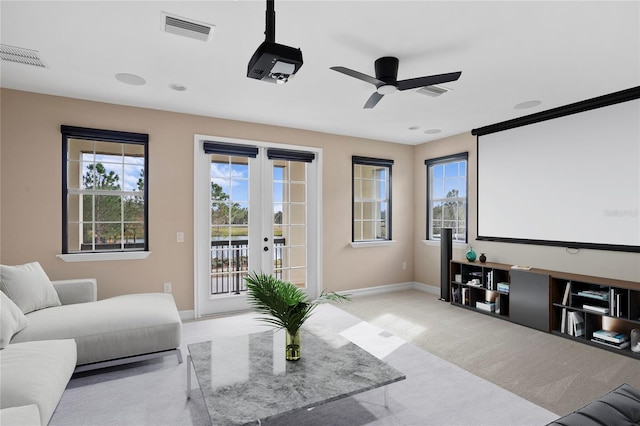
(246,379)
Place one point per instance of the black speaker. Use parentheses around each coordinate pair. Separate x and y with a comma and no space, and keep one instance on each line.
(446,245)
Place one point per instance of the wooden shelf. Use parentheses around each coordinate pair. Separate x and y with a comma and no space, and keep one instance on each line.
(535,299)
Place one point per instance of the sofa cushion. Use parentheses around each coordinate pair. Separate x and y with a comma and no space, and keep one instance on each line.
(26,415)
(36,373)
(118,327)
(12,320)
(621,407)
(28,286)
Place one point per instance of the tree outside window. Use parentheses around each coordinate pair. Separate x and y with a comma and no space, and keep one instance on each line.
(447,196)
(105,207)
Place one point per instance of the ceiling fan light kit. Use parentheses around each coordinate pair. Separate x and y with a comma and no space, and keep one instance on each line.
(386,79)
(273,62)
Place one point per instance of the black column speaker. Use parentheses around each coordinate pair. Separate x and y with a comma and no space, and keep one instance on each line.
(446,245)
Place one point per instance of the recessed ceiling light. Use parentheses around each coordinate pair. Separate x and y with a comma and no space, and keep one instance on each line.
(527,104)
(432,131)
(134,80)
(414,127)
(177,87)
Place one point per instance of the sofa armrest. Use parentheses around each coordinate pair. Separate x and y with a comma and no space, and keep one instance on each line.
(76,291)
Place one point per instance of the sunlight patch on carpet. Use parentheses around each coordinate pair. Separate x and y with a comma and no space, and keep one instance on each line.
(372,339)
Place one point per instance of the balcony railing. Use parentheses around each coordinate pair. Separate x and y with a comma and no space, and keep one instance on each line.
(229,264)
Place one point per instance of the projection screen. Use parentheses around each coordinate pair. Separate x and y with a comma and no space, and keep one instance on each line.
(566,177)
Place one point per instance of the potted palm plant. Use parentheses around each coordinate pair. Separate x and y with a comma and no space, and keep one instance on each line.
(286,306)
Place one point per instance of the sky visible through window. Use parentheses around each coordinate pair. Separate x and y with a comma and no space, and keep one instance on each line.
(129,169)
(234,181)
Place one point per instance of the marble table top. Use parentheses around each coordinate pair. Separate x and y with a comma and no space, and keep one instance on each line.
(246,378)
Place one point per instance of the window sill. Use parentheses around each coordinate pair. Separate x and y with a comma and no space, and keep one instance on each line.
(364,244)
(98,257)
(456,245)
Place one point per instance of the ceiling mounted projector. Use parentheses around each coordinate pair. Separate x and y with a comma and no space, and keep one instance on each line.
(273,62)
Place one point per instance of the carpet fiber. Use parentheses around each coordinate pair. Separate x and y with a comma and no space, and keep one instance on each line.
(555,373)
(436,392)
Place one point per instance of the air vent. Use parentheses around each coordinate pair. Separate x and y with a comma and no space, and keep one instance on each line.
(186,28)
(433,91)
(20,55)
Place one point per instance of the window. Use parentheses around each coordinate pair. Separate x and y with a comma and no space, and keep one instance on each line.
(447,196)
(371,199)
(105,195)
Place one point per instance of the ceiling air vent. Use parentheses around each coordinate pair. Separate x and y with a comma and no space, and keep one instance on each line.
(186,28)
(20,55)
(433,91)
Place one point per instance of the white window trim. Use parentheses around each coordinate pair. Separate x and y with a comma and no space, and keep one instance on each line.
(99,257)
(367,244)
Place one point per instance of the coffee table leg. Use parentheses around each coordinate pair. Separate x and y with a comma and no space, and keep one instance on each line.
(189,363)
(386,400)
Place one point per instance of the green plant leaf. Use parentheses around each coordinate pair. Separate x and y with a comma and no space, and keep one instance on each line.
(285,305)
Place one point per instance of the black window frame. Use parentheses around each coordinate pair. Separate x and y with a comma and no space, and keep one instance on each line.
(378,162)
(100,135)
(463,156)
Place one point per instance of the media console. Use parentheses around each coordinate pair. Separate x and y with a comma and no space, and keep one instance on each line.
(596,311)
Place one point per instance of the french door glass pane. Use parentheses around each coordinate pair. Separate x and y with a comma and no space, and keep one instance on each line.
(229,223)
(290,221)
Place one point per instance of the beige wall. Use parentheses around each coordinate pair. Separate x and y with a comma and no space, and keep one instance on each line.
(619,265)
(30,201)
(30,227)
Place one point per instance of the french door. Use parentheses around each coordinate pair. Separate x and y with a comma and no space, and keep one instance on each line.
(256,210)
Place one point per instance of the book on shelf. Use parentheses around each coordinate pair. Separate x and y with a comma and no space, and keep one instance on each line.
(486,306)
(615,303)
(574,324)
(620,345)
(578,324)
(594,294)
(567,290)
(598,309)
(563,321)
(503,287)
(611,336)
(619,305)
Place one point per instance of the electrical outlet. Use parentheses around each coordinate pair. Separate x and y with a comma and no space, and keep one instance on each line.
(180,237)
(167,287)
(404,265)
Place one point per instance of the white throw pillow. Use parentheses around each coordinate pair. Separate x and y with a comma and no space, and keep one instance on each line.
(28,286)
(12,320)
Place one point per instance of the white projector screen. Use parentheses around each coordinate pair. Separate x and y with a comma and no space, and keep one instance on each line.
(571,181)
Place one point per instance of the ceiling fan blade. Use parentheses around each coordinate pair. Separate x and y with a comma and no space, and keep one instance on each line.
(358,75)
(373,100)
(413,83)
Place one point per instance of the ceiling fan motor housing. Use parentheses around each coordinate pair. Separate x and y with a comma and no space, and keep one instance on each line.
(387,69)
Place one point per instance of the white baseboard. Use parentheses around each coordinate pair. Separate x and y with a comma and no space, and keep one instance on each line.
(187,315)
(412,285)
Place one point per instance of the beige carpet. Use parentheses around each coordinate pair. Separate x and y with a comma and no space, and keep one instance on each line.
(435,392)
(550,371)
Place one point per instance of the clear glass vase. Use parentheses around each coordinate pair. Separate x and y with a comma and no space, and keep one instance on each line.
(293,346)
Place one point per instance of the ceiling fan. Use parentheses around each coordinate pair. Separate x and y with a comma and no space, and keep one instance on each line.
(386,79)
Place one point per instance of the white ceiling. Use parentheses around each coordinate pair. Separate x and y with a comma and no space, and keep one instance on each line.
(508,52)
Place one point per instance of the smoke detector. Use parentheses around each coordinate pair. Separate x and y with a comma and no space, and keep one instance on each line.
(186,27)
(433,91)
(20,55)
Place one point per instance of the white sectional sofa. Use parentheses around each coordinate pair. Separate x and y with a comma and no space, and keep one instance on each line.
(51,329)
